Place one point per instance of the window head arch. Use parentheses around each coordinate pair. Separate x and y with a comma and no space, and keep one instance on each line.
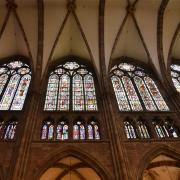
(71,87)
(135,90)
(175,74)
(15,78)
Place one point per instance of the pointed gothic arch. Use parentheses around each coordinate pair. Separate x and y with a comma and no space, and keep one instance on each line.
(153,153)
(84,157)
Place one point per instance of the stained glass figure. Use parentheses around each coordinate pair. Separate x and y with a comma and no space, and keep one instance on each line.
(90,94)
(3,80)
(96,132)
(120,94)
(161,130)
(93,131)
(143,132)
(64,92)
(44,131)
(129,130)
(78,94)
(175,74)
(62,131)
(21,93)
(75,132)
(170,128)
(132,95)
(51,132)
(148,102)
(1,129)
(10,130)
(82,132)
(15,79)
(135,90)
(51,94)
(71,87)
(161,104)
(47,131)
(78,131)
(90,132)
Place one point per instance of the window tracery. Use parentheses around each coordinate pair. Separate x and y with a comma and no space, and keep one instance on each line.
(71,87)
(15,78)
(135,90)
(175,74)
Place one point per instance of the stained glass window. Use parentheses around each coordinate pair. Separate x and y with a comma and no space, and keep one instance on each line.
(15,79)
(142,129)
(93,131)
(175,74)
(172,130)
(78,94)
(161,129)
(90,132)
(78,131)
(62,131)
(1,129)
(129,130)
(135,90)
(47,130)
(71,87)
(10,130)
(90,94)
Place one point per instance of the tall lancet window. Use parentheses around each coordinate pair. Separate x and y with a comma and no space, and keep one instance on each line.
(15,78)
(71,87)
(135,90)
(175,74)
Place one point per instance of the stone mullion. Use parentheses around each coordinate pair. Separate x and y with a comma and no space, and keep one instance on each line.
(22,152)
(152,129)
(23,141)
(115,144)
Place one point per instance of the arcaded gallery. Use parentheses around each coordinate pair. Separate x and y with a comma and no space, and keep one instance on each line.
(89,89)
